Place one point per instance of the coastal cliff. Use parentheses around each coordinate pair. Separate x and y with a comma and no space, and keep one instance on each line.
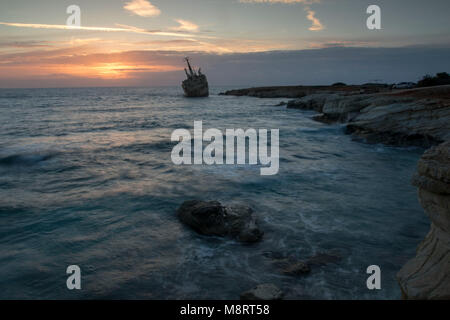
(427,275)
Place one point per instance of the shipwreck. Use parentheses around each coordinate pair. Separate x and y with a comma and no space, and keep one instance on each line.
(196,84)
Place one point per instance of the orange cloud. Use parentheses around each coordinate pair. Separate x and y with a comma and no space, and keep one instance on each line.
(59,26)
(142,8)
(316,24)
(122,28)
(185,25)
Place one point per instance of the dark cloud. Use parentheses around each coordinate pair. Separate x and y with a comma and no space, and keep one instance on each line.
(325,66)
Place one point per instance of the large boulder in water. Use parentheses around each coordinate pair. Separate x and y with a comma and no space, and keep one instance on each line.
(291,265)
(212,218)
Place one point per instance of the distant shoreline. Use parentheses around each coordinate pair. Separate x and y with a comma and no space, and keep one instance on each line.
(301,91)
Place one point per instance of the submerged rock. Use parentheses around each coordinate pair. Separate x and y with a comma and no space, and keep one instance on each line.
(296,268)
(293,266)
(212,218)
(266,291)
(427,275)
(289,265)
(322,259)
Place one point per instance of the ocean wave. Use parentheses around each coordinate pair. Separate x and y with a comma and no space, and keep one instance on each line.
(25,159)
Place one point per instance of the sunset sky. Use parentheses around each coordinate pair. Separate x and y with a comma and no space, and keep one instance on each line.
(254,42)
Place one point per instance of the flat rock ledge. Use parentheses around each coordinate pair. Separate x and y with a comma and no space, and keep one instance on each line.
(417,117)
(427,275)
(214,219)
(265,291)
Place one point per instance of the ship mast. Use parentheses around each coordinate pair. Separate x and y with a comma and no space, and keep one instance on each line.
(190,68)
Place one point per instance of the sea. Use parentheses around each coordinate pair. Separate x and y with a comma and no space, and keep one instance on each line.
(87,179)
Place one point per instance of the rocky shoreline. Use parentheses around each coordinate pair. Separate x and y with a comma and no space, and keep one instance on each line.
(415,117)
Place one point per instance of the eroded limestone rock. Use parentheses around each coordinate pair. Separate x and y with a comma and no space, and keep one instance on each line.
(427,275)
(414,118)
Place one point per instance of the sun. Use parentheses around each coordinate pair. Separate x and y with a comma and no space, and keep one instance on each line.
(114,70)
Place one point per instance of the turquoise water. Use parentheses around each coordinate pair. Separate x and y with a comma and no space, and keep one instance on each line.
(86,178)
